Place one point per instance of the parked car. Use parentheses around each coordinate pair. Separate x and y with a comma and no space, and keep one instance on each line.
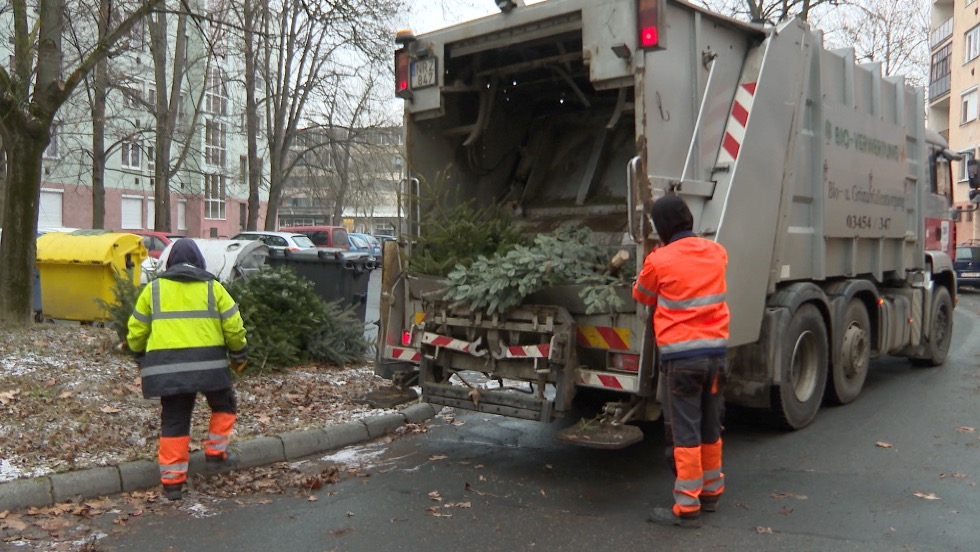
(282,241)
(374,246)
(967,265)
(323,236)
(358,244)
(156,242)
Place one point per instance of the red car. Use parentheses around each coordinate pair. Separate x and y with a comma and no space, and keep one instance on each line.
(154,241)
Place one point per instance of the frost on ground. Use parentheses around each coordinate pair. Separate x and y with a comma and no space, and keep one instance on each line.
(69,401)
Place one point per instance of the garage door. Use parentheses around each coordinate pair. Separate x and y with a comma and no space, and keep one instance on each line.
(50,211)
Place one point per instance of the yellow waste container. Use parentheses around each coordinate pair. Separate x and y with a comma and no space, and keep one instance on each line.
(78,268)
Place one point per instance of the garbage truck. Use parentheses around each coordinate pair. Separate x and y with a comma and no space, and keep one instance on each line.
(816,173)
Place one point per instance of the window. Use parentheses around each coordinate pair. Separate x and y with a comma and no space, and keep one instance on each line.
(214,196)
(972,46)
(151,161)
(50,209)
(214,143)
(131,213)
(151,97)
(51,152)
(967,155)
(130,151)
(216,97)
(968,106)
(132,96)
(182,215)
(243,167)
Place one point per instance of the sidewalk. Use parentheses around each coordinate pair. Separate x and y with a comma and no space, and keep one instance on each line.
(144,474)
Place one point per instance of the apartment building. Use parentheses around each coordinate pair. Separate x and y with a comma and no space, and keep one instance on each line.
(367,163)
(208,191)
(953,96)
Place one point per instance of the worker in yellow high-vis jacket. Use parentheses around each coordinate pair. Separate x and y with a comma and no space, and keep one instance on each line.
(184,328)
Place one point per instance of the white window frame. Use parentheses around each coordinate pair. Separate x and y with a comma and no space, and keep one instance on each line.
(216,93)
(51,208)
(215,196)
(131,212)
(182,215)
(215,142)
(129,154)
(961,175)
(971,44)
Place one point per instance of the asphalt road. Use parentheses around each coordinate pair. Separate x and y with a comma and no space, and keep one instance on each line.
(847,482)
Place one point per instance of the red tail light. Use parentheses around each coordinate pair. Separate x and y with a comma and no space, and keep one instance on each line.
(401,74)
(650,15)
(406,338)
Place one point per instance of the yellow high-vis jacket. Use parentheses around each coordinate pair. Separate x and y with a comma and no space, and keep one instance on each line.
(185,323)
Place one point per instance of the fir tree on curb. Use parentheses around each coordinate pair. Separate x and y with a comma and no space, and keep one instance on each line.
(289,324)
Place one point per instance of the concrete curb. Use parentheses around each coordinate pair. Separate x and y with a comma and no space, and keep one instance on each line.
(136,475)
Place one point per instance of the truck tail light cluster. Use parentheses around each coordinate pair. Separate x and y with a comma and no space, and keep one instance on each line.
(402,62)
(650,16)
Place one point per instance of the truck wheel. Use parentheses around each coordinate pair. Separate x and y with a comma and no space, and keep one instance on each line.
(797,398)
(940,330)
(849,374)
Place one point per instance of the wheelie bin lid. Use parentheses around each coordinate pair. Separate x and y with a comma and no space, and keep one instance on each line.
(97,247)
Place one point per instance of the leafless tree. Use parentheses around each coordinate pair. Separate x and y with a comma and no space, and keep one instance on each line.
(893,33)
(30,98)
(770,11)
(300,47)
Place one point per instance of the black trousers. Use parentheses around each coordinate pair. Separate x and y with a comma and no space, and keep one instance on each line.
(175,420)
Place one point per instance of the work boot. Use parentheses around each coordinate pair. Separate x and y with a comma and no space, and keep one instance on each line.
(709,503)
(222,462)
(665,516)
(173,491)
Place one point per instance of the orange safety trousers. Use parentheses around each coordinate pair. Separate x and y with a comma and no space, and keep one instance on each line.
(694,412)
(175,428)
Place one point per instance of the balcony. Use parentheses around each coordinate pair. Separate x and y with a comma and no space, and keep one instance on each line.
(939,87)
(941,33)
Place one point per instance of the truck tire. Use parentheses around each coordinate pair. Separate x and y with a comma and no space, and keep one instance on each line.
(848,375)
(796,399)
(940,330)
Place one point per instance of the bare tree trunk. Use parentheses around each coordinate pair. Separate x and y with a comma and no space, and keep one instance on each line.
(20,221)
(251,18)
(100,88)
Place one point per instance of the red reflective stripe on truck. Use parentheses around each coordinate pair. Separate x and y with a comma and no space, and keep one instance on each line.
(739,118)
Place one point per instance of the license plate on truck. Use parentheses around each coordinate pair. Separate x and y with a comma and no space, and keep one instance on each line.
(423,72)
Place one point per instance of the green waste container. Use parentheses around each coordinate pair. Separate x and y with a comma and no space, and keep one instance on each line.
(337,275)
(79,268)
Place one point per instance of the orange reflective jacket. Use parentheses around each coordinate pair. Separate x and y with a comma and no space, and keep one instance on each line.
(685,281)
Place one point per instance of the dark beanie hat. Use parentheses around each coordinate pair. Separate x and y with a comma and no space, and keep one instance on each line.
(185,251)
(670,216)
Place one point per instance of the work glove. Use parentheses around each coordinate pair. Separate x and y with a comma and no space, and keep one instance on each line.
(238,361)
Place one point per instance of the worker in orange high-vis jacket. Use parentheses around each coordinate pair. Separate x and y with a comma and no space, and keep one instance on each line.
(183,329)
(684,281)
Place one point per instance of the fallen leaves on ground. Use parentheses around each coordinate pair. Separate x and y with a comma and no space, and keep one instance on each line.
(926,496)
(882,444)
(69,401)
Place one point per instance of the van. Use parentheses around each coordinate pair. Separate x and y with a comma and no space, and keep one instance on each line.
(323,236)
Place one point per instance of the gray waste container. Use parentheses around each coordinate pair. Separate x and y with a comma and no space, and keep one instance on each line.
(336,275)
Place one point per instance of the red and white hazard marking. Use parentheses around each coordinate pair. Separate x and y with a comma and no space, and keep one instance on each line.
(454,344)
(525,351)
(735,130)
(401,353)
(606,380)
